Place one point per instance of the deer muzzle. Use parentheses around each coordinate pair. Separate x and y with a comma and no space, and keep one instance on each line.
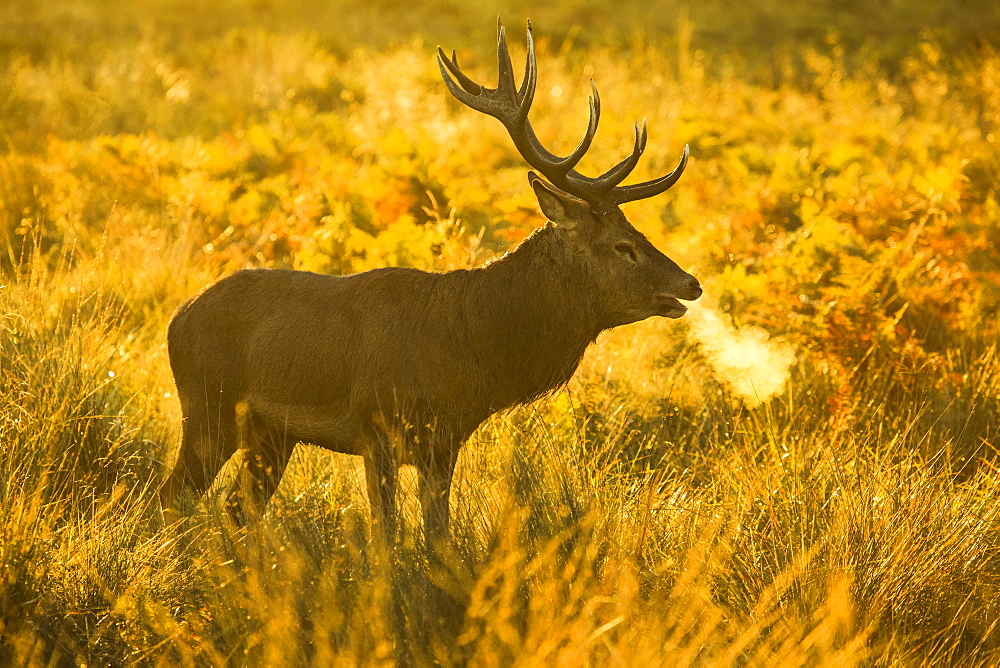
(669,304)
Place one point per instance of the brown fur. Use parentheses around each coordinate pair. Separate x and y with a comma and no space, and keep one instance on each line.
(400,365)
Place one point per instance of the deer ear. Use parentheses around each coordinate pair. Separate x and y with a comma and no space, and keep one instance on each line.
(561,208)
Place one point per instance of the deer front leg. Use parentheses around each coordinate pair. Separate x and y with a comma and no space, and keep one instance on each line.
(380,474)
(435,469)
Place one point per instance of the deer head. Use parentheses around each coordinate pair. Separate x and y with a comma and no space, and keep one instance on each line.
(634,280)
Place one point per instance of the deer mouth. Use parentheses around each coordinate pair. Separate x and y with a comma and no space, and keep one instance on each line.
(669,307)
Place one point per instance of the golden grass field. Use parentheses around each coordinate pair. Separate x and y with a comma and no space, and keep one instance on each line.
(802,471)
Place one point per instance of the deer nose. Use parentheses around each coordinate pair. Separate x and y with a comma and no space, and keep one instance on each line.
(694,288)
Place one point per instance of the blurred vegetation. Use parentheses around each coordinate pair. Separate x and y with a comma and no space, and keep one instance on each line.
(756,28)
(841,207)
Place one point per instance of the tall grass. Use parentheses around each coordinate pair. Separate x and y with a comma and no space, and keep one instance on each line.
(581,535)
(656,511)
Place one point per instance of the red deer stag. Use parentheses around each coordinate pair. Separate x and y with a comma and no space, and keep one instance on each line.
(400,366)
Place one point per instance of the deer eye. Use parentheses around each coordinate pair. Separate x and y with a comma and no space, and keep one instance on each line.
(627,251)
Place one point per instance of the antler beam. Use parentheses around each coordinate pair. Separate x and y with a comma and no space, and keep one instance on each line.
(510,106)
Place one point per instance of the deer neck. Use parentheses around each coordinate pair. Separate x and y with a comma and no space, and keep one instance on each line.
(535,315)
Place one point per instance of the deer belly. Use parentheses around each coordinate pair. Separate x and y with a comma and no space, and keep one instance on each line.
(324,426)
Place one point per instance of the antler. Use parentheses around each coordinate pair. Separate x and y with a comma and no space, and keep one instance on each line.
(510,106)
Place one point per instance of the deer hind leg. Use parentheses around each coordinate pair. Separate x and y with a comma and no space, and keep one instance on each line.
(266,451)
(209,438)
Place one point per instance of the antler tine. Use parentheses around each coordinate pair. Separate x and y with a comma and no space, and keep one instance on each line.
(570,161)
(611,178)
(499,102)
(505,78)
(451,64)
(637,191)
(526,93)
